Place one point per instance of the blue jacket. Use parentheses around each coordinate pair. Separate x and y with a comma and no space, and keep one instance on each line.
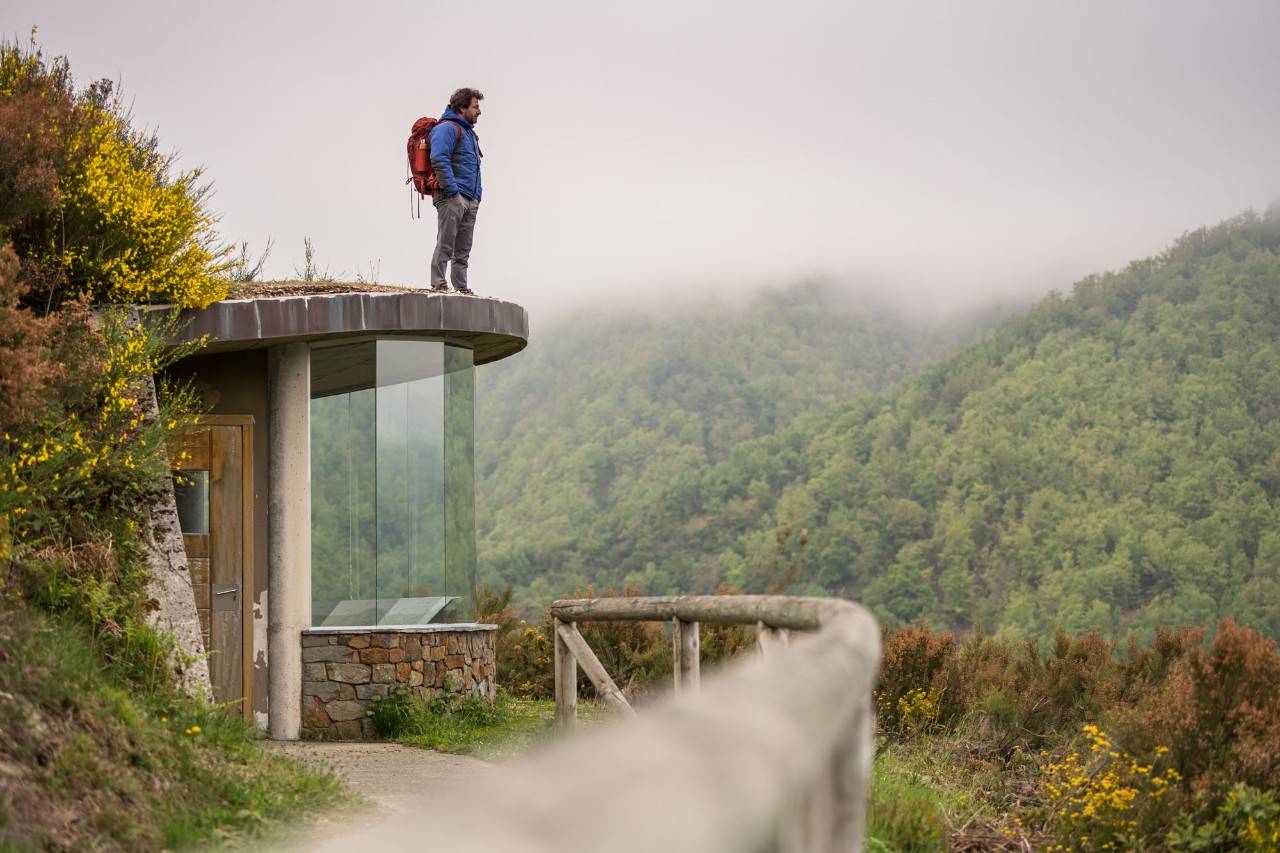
(456,161)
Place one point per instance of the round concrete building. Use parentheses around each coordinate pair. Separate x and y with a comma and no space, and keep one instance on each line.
(327,501)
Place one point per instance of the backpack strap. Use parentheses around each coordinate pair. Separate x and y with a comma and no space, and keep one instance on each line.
(456,140)
(453,158)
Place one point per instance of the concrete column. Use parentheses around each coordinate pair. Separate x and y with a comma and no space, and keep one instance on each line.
(288,534)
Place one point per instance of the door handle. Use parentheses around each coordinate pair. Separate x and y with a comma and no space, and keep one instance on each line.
(225,598)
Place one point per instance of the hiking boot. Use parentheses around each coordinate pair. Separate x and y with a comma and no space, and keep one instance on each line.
(439,288)
(465,291)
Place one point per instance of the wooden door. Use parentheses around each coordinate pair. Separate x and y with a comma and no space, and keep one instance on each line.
(214,489)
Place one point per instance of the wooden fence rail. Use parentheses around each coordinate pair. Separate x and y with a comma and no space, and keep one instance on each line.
(824,812)
(772,755)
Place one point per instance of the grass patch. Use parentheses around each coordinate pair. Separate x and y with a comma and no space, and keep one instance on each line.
(89,763)
(471,726)
(928,794)
(909,808)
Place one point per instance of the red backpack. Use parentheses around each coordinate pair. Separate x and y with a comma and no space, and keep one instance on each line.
(419,150)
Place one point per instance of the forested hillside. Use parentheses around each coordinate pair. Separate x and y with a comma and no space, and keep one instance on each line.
(593,443)
(1112,459)
(1109,459)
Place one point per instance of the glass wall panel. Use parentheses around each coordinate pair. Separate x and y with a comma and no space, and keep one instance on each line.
(411,556)
(344,536)
(393,485)
(460,475)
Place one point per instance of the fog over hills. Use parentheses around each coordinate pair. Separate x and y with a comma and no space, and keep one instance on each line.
(1108,459)
(946,154)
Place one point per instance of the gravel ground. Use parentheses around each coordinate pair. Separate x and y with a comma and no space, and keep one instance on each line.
(394,779)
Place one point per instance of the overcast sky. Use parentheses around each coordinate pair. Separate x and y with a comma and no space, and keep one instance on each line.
(943,151)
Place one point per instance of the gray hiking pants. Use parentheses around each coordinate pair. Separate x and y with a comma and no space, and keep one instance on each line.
(455,223)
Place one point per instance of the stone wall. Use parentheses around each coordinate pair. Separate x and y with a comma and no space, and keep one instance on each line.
(344,668)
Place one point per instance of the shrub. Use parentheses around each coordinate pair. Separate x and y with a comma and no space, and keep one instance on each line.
(1247,820)
(637,655)
(38,116)
(912,661)
(522,653)
(719,643)
(72,484)
(1103,798)
(96,209)
(917,712)
(1081,677)
(42,358)
(525,665)
(1220,709)
(91,455)
(1131,743)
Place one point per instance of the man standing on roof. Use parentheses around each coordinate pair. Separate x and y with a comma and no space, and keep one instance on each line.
(455,158)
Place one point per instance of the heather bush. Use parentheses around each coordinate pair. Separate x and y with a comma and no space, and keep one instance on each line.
(1079,678)
(637,655)
(523,653)
(1219,708)
(1013,685)
(722,642)
(1138,749)
(912,663)
(45,360)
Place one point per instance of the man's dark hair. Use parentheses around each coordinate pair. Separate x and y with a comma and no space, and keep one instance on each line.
(461,99)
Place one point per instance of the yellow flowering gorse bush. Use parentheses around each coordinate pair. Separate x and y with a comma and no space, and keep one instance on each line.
(1098,800)
(917,711)
(142,238)
(123,224)
(96,456)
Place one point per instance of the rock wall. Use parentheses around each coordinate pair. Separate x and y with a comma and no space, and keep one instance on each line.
(343,669)
(169,581)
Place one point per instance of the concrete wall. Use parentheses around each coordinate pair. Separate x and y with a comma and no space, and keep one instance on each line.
(288,533)
(236,384)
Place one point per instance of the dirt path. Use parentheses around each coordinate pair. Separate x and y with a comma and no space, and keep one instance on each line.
(395,779)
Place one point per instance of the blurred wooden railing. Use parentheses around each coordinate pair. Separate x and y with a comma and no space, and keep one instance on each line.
(780,746)
(772,755)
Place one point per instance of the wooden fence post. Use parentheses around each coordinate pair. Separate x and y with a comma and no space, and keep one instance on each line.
(686,644)
(599,676)
(566,675)
(768,638)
